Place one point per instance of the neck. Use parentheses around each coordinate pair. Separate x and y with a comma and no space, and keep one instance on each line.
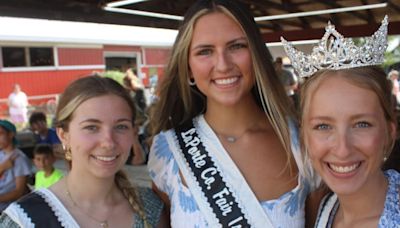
(93,191)
(366,203)
(48,172)
(234,120)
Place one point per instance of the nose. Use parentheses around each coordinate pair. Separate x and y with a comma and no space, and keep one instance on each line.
(41,162)
(223,62)
(343,143)
(108,141)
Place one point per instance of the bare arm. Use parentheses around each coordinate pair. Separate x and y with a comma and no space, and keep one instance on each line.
(19,190)
(165,214)
(164,219)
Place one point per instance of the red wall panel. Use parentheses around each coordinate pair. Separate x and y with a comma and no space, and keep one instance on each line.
(80,56)
(39,82)
(156,56)
(122,48)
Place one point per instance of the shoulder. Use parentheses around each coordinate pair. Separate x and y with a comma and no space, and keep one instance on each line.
(22,161)
(152,204)
(391,214)
(6,221)
(160,149)
(58,172)
(19,211)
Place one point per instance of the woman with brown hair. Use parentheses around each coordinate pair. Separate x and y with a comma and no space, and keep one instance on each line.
(95,120)
(226,151)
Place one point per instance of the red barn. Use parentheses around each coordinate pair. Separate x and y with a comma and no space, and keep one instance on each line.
(43,56)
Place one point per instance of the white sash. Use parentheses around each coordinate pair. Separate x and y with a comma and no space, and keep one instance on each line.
(233,178)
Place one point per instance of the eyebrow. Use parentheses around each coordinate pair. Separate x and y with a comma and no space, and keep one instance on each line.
(98,121)
(199,46)
(356,116)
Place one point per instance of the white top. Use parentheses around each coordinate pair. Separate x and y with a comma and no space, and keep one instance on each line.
(285,211)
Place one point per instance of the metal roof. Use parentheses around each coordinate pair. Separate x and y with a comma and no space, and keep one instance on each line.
(275,17)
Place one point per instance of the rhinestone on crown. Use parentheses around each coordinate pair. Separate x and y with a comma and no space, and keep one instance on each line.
(336,52)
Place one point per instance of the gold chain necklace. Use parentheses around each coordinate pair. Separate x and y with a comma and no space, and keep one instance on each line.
(103,224)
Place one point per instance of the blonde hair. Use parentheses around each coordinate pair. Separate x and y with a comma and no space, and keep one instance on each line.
(131,194)
(84,89)
(371,78)
(180,103)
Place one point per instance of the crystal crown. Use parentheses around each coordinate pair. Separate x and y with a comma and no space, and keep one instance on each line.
(336,52)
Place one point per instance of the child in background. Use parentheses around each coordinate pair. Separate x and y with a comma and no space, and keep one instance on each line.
(44,158)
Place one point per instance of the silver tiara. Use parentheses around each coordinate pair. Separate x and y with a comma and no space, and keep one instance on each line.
(336,52)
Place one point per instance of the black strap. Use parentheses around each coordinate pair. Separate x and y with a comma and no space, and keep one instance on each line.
(39,211)
(219,196)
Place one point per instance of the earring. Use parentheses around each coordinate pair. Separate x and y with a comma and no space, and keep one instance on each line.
(191,81)
(63,147)
(68,154)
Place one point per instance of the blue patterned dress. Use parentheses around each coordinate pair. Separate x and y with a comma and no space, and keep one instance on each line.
(390,217)
(285,211)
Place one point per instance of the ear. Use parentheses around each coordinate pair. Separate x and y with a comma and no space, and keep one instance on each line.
(63,136)
(393,130)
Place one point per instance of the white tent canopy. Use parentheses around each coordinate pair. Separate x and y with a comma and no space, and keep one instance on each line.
(39,30)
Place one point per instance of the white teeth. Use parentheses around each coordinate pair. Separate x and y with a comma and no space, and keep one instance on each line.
(101,158)
(226,81)
(344,169)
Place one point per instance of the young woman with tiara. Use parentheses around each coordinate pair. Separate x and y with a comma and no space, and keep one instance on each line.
(348,128)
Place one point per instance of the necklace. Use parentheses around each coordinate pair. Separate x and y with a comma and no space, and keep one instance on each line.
(231,138)
(103,224)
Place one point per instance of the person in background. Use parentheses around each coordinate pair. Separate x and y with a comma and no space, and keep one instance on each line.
(14,179)
(140,149)
(18,106)
(288,80)
(225,151)
(349,128)
(45,135)
(44,158)
(96,192)
(393,76)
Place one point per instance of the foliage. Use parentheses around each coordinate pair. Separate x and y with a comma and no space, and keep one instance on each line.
(116,75)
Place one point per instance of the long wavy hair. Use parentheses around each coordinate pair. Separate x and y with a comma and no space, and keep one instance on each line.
(179,102)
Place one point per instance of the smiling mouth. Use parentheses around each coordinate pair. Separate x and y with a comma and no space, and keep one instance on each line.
(226,81)
(344,169)
(105,158)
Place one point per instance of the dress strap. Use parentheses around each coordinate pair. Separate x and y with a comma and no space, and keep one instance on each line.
(39,211)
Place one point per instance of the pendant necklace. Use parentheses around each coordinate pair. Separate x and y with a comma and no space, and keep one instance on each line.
(103,224)
(231,138)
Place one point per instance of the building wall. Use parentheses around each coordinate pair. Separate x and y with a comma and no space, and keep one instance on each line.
(80,56)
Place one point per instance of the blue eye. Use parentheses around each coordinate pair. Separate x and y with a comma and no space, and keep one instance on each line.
(237,46)
(204,52)
(363,124)
(122,127)
(322,127)
(92,128)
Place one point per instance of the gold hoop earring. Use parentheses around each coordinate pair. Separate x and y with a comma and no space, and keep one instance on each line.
(68,154)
